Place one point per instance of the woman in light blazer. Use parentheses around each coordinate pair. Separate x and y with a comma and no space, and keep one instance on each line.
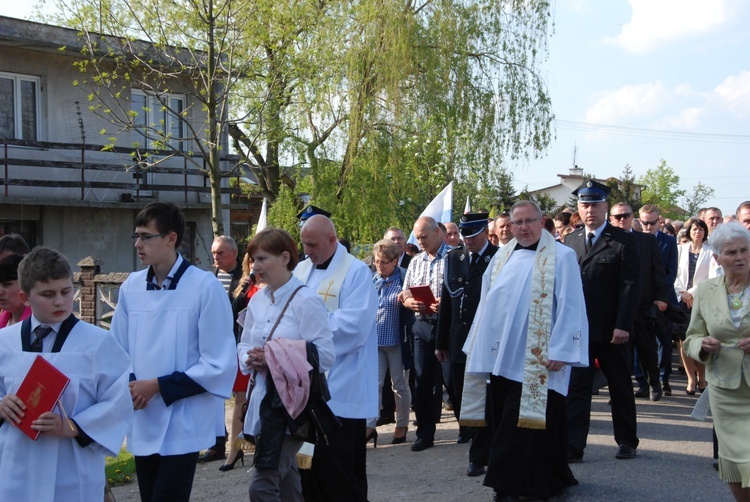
(693,265)
(719,336)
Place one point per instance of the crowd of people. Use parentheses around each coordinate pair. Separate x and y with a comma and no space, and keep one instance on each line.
(504,320)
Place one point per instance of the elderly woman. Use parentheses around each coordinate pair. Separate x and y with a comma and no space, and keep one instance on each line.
(693,260)
(391,321)
(274,255)
(719,336)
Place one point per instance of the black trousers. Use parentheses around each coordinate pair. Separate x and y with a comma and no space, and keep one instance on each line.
(428,381)
(615,362)
(481,437)
(339,469)
(644,343)
(167,478)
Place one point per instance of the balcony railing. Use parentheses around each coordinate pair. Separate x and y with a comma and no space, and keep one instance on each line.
(94,174)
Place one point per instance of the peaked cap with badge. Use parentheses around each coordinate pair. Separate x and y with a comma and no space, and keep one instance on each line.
(592,191)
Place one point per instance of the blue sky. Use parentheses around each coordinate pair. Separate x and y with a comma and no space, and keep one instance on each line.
(670,79)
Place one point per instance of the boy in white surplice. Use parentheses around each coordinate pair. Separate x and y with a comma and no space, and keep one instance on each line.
(175,321)
(66,462)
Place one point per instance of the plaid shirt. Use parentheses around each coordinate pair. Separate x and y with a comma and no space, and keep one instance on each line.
(423,270)
(387,320)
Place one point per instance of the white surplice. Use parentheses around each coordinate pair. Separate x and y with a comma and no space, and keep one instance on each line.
(97,399)
(353,378)
(502,319)
(189,330)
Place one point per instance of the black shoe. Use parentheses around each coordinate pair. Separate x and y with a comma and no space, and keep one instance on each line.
(474,469)
(385,421)
(211,455)
(575,458)
(655,395)
(422,444)
(463,438)
(666,388)
(229,466)
(625,452)
(642,391)
(373,435)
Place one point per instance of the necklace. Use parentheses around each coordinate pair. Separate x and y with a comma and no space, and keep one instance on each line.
(736,298)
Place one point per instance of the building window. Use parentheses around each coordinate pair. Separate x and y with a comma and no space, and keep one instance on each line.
(19,106)
(159,120)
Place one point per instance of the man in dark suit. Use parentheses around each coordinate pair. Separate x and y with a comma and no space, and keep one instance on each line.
(654,296)
(608,258)
(396,235)
(462,287)
(668,250)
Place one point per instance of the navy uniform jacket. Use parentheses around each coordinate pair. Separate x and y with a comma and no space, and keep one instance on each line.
(610,275)
(462,288)
(668,250)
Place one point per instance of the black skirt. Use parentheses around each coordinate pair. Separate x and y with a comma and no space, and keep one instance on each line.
(527,462)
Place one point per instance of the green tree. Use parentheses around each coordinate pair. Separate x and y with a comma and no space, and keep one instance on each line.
(661,188)
(160,48)
(697,198)
(625,189)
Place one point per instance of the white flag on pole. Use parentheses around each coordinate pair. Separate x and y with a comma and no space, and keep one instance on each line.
(262,218)
(441,208)
(467,208)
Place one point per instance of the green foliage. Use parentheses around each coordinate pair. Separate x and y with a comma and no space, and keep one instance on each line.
(697,198)
(661,188)
(625,191)
(119,470)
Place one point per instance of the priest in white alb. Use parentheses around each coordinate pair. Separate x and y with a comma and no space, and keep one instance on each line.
(530,328)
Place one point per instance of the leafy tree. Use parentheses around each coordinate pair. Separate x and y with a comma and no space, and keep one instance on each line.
(697,198)
(625,190)
(160,48)
(661,188)
(380,102)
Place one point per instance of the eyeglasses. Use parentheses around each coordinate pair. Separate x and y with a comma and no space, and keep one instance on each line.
(623,216)
(527,221)
(649,223)
(145,237)
(380,263)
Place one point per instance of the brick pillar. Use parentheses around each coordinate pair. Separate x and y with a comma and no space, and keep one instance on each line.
(90,267)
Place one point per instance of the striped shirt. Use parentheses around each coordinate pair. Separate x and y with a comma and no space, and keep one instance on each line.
(423,270)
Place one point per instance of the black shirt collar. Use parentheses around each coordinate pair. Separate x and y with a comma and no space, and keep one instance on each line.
(324,265)
(532,247)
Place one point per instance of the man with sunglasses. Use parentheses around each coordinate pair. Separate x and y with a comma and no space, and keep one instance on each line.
(649,217)
(654,295)
(608,258)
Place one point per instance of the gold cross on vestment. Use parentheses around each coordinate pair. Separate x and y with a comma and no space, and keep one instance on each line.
(327,294)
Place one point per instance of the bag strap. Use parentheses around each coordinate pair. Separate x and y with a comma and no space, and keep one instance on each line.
(270,335)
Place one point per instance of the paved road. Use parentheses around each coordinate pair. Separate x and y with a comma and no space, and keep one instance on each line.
(673,464)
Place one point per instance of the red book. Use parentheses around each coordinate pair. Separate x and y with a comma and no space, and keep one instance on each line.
(423,294)
(40,390)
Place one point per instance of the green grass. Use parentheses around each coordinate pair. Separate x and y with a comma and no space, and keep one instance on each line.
(119,470)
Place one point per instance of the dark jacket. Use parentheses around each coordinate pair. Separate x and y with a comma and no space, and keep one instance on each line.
(610,275)
(652,281)
(462,288)
(315,424)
